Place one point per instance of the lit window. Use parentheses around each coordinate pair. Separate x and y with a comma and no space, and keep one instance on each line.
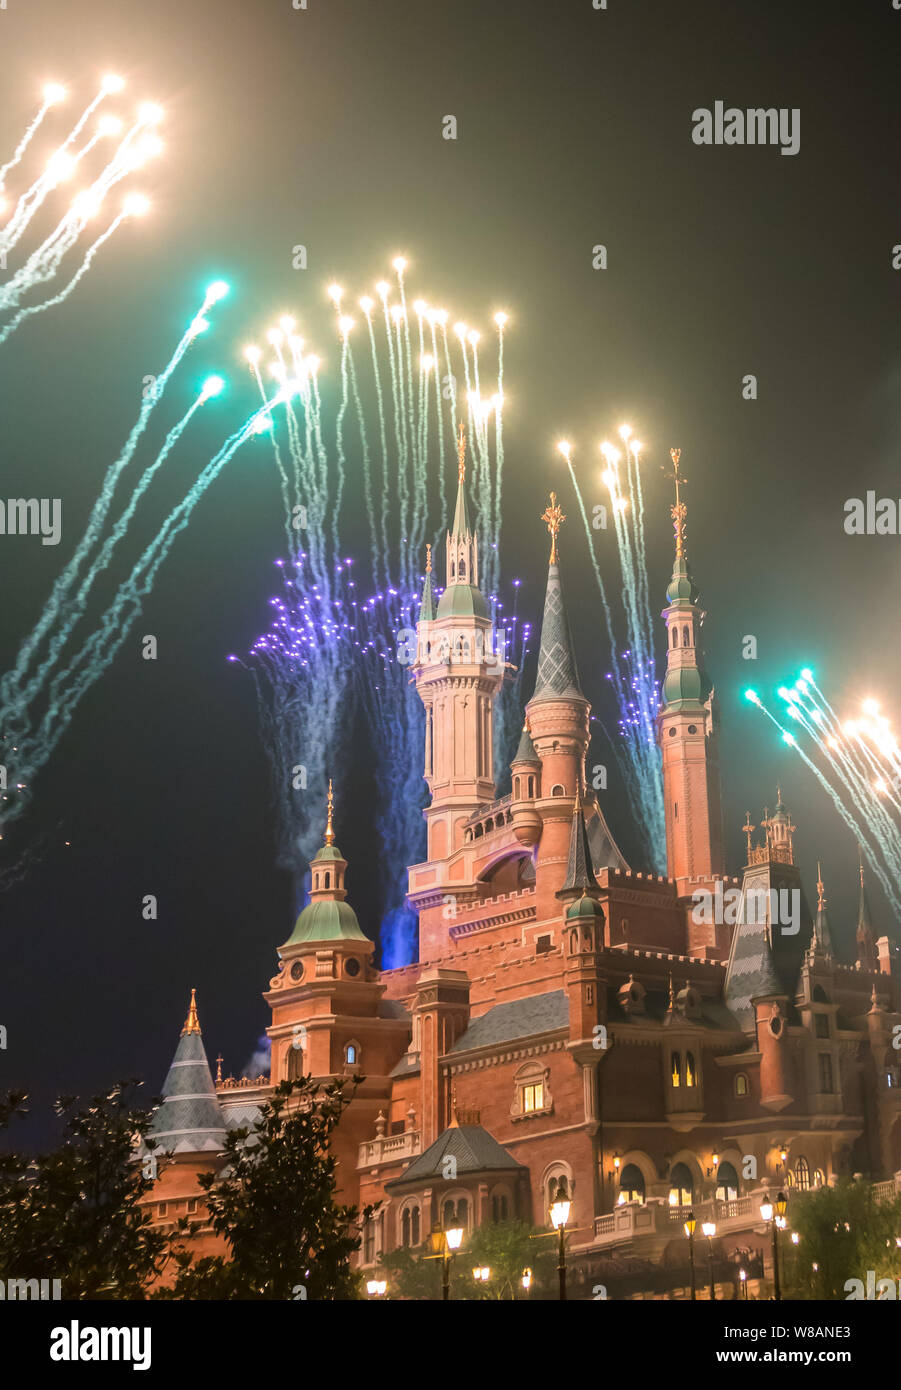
(677,1069)
(741,1084)
(532,1097)
(689,1069)
(802,1174)
(350,1054)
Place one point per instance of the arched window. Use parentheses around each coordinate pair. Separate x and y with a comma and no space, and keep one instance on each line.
(405,1228)
(677,1069)
(558,790)
(740,1084)
(516,785)
(686,637)
(455,1213)
(352,1053)
(328,880)
(681,1186)
(631,1184)
(500,1207)
(415,1226)
(690,1075)
(675,636)
(802,1174)
(531,786)
(726,1183)
(819,1178)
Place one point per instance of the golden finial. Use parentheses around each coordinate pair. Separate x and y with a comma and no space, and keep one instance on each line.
(329,828)
(219,1070)
(749,829)
(821,891)
(555,517)
(192,1023)
(428,558)
(672,996)
(461,455)
(679,511)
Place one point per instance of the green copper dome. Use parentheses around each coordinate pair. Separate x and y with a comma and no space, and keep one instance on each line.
(462,601)
(682,587)
(326,920)
(328,852)
(685,685)
(583,907)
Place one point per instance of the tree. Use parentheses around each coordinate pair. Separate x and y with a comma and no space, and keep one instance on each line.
(75,1213)
(274,1203)
(844,1232)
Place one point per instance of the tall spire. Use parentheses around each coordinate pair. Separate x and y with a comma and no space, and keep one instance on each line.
(682,587)
(462,526)
(579,868)
(192,1024)
(427,606)
(866,940)
(822,936)
(462,597)
(558,674)
(189,1119)
(329,826)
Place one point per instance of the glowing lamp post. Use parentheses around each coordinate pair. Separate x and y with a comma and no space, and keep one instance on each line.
(558,1211)
(689,1229)
(743,1276)
(376,1287)
(481,1274)
(526,1279)
(444,1244)
(774,1212)
(709,1229)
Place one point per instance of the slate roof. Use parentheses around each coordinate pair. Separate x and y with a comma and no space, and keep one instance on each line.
(393,1008)
(189,1119)
(408,1065)
(522,1018)
(714,1014)
(579,869)
(751,972)
(526,750)
(558,674)
(605,853)
(475,1151)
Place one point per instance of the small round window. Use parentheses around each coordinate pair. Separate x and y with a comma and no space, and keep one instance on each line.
(297,970)
(672,733)
(351,966)
(692,728)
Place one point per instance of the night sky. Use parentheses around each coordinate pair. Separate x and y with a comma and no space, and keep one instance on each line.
(323,127)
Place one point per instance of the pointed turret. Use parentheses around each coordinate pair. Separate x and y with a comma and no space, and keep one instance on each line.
(189,1119)
(327,917)
(427,605)
(822,937)
(865,935)
(579,869)
(558,674)
(462,597)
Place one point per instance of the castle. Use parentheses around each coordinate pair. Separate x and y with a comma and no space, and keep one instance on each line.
(569,1017)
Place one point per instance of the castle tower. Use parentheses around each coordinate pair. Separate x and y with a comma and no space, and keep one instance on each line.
(457,676)
(688,724)
(328,1016)
(865,936)
(557,716)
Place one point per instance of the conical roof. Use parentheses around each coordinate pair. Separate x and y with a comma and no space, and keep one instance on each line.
(558,674)
(525,753)
(189,1120)
(427,606)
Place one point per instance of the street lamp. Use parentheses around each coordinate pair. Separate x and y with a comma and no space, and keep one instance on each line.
(709,1229)
(774,1212)
(743,1276)
(444,1244)
(689,1229)
(558,1211)
(526,1279)
(481,1274)
(376,1287)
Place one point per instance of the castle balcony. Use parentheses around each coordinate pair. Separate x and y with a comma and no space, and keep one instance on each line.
(497,816)
(389,1148)
(657,1221)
